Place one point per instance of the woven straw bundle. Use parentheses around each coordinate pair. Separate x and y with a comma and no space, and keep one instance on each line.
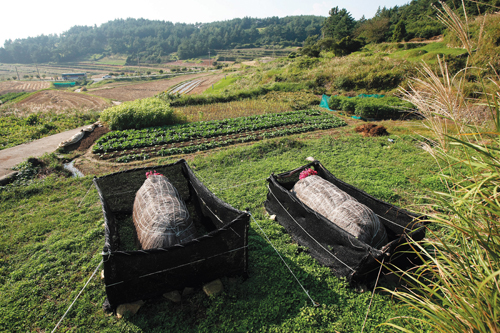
(341,209)
(160,216)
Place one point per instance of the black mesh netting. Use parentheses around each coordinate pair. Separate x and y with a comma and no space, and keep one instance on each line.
(332,246)
(131,273)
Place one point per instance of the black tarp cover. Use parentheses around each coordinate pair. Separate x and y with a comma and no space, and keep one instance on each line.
(137,275)
(333,247)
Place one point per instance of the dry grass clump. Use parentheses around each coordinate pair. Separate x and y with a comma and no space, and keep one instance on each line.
(457,287)
(370,129)
(219,111)
(26,110)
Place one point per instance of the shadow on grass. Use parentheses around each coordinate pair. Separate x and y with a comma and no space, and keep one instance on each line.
(269,297)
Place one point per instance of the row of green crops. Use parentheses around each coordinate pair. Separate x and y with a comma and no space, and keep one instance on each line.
(370,107)
(11,96)
(131,139)
(223,142)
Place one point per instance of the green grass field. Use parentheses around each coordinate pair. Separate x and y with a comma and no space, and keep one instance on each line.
(52,236)
(428,52)
(221,85)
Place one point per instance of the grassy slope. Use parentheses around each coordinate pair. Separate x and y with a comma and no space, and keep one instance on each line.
(379,68)
(50,245)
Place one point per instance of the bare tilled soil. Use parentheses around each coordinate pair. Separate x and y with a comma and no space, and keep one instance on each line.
(63,100)
(20,86)
(132,92)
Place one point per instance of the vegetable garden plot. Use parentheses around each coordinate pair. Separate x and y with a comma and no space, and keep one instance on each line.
(332,246)
(196,136)
(134,274)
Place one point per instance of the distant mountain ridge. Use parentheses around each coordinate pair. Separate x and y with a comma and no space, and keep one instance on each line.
(154,41)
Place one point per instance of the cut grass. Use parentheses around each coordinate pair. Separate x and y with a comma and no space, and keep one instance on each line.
(50,245)
(221,85)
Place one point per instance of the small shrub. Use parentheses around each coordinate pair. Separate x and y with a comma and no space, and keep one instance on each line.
(416,53)
(344,83)
(371,107)
(142,113)
(348,104)
(334,103)
(32,120)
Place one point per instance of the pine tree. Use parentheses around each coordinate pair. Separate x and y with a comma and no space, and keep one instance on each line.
(399,32)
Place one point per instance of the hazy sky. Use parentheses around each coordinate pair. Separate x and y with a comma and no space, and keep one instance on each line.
(29,18)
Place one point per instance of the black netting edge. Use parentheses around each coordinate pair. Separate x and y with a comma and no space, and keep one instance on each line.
(190,176)
(238,217)
(370,261)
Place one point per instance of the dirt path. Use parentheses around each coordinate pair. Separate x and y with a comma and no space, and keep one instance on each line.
(10,157)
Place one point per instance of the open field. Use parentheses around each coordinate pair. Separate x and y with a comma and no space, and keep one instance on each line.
(129,92)
(62,100)
(94,68)
(183,63)
(19,86)
(52,253)
(252,54)
(219,111)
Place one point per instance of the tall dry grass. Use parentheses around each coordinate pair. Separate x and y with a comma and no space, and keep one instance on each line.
(219,111)
(457,287)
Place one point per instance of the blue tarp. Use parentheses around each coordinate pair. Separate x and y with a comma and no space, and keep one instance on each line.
(372,96)
(325,99)
(324,102)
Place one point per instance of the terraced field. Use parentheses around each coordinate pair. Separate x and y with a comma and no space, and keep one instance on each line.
(62,100)
(131,92)
(127,145)
(20,86)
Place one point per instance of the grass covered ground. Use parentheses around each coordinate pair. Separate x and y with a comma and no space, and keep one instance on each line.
(52,236)
(18,129)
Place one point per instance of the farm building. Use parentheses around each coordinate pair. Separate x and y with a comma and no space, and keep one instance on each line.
(74,76)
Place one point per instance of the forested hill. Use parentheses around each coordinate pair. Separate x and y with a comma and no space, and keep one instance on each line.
(154,41)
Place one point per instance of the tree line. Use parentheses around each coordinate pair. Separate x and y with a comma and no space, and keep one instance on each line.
(342,34)
(154,41)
